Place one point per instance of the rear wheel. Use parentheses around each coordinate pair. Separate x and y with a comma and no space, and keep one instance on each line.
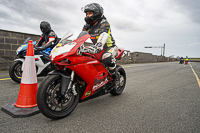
(50,101)
(15,71)
(122,81)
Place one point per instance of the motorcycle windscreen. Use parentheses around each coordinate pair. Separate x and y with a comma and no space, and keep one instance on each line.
(66,48)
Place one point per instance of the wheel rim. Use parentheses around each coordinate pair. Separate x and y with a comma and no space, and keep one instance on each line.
(18,71)
(121,80)
(56,101)
(121,83)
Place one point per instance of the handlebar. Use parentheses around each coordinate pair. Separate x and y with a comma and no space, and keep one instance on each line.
(83,49)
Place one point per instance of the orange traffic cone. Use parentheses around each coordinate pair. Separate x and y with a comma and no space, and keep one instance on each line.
(26,104)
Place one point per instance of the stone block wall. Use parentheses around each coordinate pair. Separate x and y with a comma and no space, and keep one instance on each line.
(140,57)
(9,42)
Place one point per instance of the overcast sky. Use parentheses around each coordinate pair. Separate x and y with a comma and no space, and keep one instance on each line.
(134,23)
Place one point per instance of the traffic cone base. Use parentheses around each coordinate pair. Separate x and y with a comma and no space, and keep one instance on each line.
(16,112)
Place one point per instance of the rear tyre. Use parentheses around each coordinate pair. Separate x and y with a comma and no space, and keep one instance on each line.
(122,81)
(15,71)
(50,101)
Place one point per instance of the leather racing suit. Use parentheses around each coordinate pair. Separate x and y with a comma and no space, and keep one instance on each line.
(95,30)
(50,39)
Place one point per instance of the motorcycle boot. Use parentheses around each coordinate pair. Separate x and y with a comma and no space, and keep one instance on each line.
(115,76)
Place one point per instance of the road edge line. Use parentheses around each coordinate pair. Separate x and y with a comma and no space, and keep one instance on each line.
(197,78)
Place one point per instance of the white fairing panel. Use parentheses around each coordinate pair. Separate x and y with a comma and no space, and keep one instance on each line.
(63,46)
(61,49)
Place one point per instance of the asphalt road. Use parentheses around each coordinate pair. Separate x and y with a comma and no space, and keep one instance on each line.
(158,98)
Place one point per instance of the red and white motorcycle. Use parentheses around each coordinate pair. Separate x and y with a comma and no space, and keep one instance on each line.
(80,77)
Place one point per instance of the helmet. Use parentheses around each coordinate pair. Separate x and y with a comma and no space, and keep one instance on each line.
(45,27)
(98,12)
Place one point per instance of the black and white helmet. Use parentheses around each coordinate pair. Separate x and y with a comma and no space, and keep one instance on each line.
(98,12)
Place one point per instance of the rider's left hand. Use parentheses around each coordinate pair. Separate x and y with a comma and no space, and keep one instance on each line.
(38,49)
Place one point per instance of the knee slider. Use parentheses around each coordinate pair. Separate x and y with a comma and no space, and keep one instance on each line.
(108,60)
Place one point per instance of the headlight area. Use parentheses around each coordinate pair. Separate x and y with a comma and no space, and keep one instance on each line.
(18,50)
(66,61)
(62,64)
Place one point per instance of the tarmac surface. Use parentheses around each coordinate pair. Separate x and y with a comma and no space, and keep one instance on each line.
(158,98)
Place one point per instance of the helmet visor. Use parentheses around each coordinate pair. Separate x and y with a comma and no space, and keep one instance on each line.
(43,29)
(90,7)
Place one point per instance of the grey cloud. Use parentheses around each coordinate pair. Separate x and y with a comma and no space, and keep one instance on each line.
(60,14)
(134,23)
(191,8)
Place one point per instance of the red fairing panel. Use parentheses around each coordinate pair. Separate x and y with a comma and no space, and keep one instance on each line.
(119,52)
(90,70)
(93,73)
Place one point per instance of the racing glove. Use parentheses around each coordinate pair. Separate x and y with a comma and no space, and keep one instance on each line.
(39,49)
(92,49)
(99,46)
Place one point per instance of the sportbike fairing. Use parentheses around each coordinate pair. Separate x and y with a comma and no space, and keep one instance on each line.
(66,47)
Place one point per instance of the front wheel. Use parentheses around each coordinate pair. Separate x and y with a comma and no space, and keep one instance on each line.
(15,71)
(50,101)
(122,81)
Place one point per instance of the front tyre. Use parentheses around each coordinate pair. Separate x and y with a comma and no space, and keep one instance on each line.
(50,101)
(122,81)
(15,71)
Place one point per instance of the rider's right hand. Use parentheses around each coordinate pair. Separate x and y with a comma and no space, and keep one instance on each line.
(92,49)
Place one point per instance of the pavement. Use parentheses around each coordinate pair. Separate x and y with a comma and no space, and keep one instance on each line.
(158,98)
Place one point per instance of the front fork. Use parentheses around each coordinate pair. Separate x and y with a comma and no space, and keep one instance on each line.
(66,84)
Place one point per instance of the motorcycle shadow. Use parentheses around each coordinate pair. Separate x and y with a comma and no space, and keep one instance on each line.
(102,104)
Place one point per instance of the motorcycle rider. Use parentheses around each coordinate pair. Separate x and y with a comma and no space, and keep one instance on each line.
(48,36)
(99,29)
(181,60)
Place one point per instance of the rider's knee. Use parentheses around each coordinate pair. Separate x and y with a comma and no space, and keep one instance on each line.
(108,60)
